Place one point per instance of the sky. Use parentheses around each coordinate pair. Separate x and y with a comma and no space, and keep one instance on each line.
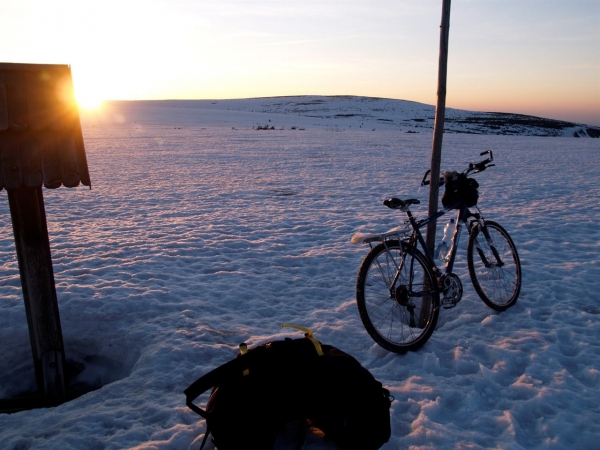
(539,57)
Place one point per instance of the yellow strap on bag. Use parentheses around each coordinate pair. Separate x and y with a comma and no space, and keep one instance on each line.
(307,334)
(243,351)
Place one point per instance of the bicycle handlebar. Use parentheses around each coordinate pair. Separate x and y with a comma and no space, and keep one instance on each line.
(473,167)
(482,165)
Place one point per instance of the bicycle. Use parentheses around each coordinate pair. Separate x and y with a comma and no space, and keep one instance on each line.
(398,286)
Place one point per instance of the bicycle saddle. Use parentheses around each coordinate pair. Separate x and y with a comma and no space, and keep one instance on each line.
(396,203)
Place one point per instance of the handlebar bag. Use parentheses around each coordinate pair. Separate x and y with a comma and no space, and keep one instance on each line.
(459,189)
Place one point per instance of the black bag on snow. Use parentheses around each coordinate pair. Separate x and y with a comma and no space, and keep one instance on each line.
(261,390)
(459,188)
(349,405)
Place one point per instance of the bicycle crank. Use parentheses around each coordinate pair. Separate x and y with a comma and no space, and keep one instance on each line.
(452,290)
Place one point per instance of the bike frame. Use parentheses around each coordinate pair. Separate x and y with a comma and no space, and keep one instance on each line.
(462,215)
(401,289)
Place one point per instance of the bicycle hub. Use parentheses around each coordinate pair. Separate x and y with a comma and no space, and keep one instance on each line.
(401,295)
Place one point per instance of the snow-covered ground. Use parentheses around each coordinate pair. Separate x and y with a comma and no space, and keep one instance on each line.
(200,233)
(368,113)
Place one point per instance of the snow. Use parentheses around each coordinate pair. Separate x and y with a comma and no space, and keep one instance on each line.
(200,233)
(345,112)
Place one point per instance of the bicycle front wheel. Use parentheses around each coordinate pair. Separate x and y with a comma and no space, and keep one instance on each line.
(396,297)
(494,266)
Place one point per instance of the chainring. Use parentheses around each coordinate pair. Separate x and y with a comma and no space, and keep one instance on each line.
(452,290)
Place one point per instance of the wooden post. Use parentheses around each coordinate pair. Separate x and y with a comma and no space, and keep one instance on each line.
(438,134)
(438,127)
(41,143)
(39,292)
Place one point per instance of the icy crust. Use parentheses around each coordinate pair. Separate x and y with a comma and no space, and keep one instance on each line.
(196,237)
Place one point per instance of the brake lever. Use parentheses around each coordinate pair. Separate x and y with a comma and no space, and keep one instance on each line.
(425,182)
(488,152)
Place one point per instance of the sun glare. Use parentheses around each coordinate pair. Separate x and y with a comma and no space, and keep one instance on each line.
(89,101)
(88,93)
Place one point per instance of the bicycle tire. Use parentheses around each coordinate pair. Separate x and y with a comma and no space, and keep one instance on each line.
(498,286)
(391,324)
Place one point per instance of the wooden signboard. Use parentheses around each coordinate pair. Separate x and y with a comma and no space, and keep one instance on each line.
(41,144)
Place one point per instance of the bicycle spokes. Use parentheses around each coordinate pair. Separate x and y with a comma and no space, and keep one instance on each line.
(494,266)
(390,300)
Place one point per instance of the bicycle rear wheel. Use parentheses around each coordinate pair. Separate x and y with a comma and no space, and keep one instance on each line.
(494,266)
(399,316)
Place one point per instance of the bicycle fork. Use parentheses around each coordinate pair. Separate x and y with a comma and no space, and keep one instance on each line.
(490,242)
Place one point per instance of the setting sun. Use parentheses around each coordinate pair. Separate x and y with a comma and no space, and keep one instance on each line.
(89,100)
(90,92)
(524,59)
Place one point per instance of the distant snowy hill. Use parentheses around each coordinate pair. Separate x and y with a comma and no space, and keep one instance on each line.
(343,112)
